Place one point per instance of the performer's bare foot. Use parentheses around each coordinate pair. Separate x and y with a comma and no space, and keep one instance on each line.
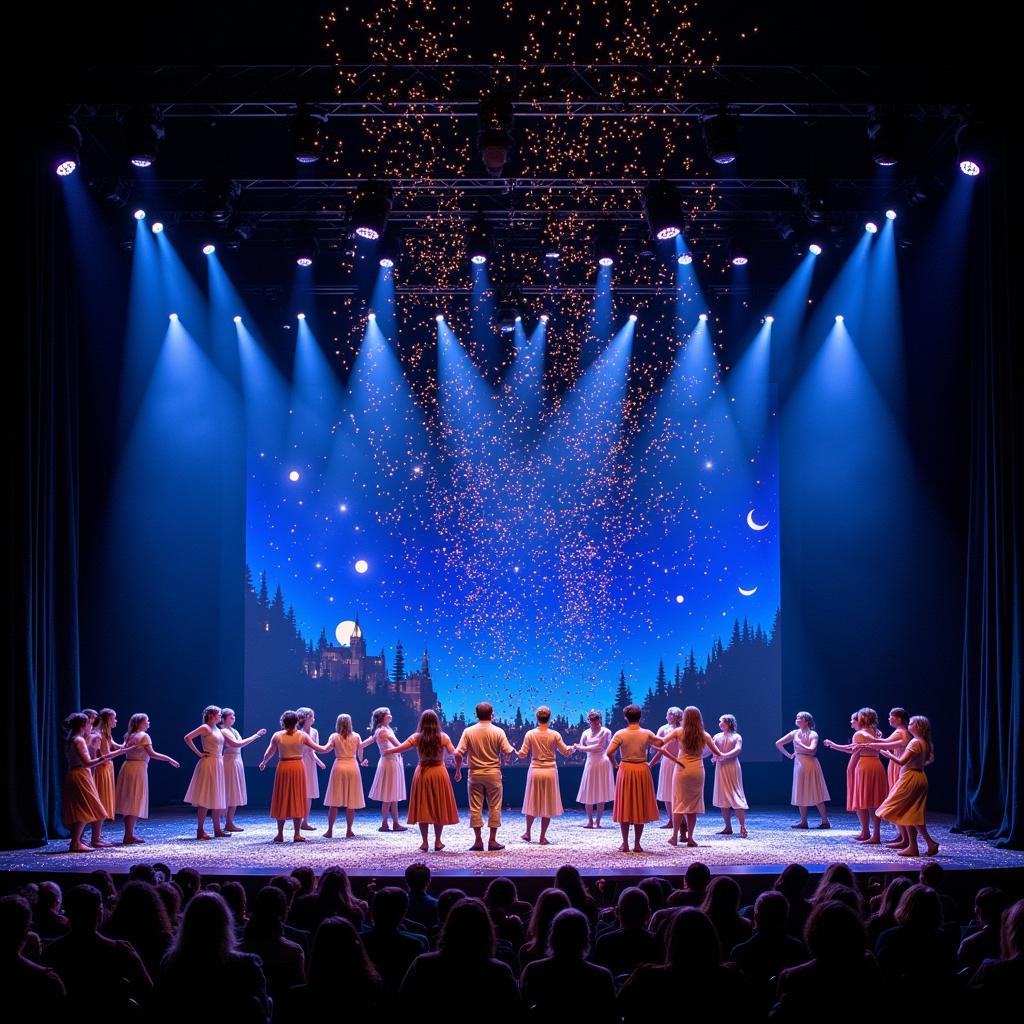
(278,839)
(438,847)
(79,848)
(222,835)
(233,828)
(668,824)
(495,846)
(203,835)
(329,834)
(724,832)
(672,841)
(825,824)
(691,842)
(350,834)
(863,837)
(299,838)
(307,827)
(872,842)
(544,841)
(384,828)
(932,850)
(399,828)
(128,840)
(589,824)
(525,837)
(99,844)
(424,846)
(743,832)
(477,847)
(624,848)
(638,848)
(799,824)
(910,851)
(897,844)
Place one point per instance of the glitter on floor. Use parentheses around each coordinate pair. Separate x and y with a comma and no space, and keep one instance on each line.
(772,844)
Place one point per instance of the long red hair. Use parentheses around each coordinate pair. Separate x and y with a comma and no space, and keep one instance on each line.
(693,731)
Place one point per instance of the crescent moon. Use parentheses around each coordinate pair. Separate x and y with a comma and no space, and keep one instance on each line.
(752,524)
(747,593)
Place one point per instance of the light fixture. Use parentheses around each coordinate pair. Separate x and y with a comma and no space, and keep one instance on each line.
(739,251)
(221,193)
(439,318)
(66,148)
(721,135)
(769,319)
(494,140)
(839,318)
(662,210)
(871,228)
(703,318)
(885,136)
(633,318)
(371,207)
(300,316)
(306,250)
(173,316)
(890,214)
(371,315)
(143,131)
(157,227)
(237,319)
(209,249)
(968,148)
(387,251)
(685,258)
(814,249)
(305,128)
(140,214)
(478,243)
(606,242)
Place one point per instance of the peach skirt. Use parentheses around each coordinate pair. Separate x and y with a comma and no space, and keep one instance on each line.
(104,779)
(289,797)
(905,804)
(635,802)
(81,801)
(868,786)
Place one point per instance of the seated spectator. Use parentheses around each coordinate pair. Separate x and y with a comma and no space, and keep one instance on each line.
(997,984)
(389,946)
(422,906)
(189,881)
(500,898)
(306,878)
(145,873)
(284,962)
(549,903)
(333,898)
(465,951)
(552,987)
(140,919)
(885,917)
(933,874)
(569,880)
(36,987)
(769,950)
(984,943)
(623,949)
(722,906)
(834,874)
(446,901)
(103,881)
(695,885)
(792,883)
(290,887)
(203,960)
(170,897)
(88,962)
(656,890)
(47,920)
(234,897)
(839,893)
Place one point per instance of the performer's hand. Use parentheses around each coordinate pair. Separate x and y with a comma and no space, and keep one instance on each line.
(175,764)
(458,776)
(262,732)
(365,762)
(262,766)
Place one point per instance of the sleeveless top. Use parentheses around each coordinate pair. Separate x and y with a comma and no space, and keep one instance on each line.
(345,746)
(231,731)
(632,744)
(213,742)
(289,747)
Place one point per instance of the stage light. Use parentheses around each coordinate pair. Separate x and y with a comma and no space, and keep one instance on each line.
(739,251)
(494,140)
(812,200)
(739,261)
(66,167)
(221,193)
(140,214)
(439,318)
(478,244)
(371,315)
(173,316)
(968,167)
(67,143)
(237,319)
(633,317)
(968,148)
(544,318)
(885,136)
(703,318)
(871,227)
(387,251)
(300,316)
(304,261)
(839,318)
(890,214)
(814,249)
(157,227)
(606,242)
(507,314)
(143,130)
(662,210)
(685,258)
(769,319)
(371,207)
(721,135)
(305,127)
(209,249)
(552,254)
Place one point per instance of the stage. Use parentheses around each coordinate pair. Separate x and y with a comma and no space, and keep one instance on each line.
(371,854)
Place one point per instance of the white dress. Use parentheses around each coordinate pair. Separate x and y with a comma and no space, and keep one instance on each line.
(667,768)
(207,786)
(309,765)
(597,786)
(345,787)
(728,775)
(234,771)
(542,798)
(389,780)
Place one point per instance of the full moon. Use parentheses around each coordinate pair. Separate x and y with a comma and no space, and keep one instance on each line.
(680,598)
(753,525)
(343,631)
(293,475)
(362,565)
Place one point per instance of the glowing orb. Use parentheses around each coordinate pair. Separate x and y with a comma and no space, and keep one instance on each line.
(293,476)
(343,631)
(680,599)
(362,566)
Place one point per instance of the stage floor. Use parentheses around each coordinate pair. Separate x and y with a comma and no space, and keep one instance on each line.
(772,844)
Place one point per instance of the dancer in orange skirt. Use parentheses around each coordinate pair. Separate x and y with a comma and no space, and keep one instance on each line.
(635,801)
(288,799)
(896,742)
(431,797)
(82,804)
(905,805)
(866,782)
(103,773)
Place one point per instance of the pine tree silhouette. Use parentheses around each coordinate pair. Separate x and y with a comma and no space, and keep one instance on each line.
(399,674)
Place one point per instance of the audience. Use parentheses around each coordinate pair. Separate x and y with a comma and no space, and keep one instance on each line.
(35,985)
(549,903)
(390,947)
(984,942)
(623,949)
(422,906)
(770,950)
(284,961)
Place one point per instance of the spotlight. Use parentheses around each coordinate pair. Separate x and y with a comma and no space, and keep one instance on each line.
(478,244)
(371,206)
(140,214)
(968,150)
(157,227)
(721,135)
(507,313)
(439,318)
(662,210)
(371,315)
(871,228)
(633,317)
(544,318)
(703,318)
(494,140)
(890,214)
(552,254)
(209,249)
(66,146)
(387,251)
(685,258)
(174,317)
(301,316)
(606,242)
(305,127)
(143,130)
(221,193)
(304,261)
(237,319)
(549,238)
(66,167)
(739,251)
(885,135)
(769,319)
(839,318)
(814,249)
(812,201)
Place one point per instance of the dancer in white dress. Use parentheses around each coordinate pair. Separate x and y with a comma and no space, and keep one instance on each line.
(131,792)
(310,762)
(234,771)
(809,787)
(345,786)
(667,768)
(388,784)
(206,792)
(542,798)
(597,786)
(728,794)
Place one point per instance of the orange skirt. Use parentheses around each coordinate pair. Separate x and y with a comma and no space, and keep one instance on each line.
(431,797)
(635,802)
(104,779)
(868,786)
(289,797)
(81,801)
(905,805)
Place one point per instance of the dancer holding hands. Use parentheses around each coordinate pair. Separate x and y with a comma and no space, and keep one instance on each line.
(131,792)
(82,804)
(388,784)
(866,782)
(688,782)
(310,763)
(542,798)
(728,793)
(235,793)
(597,786)
(906,803)
(345,787)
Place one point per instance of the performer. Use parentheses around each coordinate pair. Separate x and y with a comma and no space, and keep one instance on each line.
(866,782)
(310,762)
(542,798)
(432,799)
(388,784)
(666,768)
(207,790)
(728,793)
(688,781)
(905,805)
(288,799)
(635,802)
(484,744)
(808,779)
(92,735)
(82,803)
(597,786)
(103,773)
(234,771)
(345,786)
(131,796)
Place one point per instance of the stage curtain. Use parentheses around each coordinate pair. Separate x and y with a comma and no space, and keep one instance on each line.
(990,800)
(42,497)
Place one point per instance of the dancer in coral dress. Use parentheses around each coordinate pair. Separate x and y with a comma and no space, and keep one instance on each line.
(906,803)
(131,798)
(728,793)
(82,804)
(345,787)
(431,797)
(388,784)
(809,789)
(693,742)
(310,762)
(235,792)
(542,798)
(597,786)
(866,782)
